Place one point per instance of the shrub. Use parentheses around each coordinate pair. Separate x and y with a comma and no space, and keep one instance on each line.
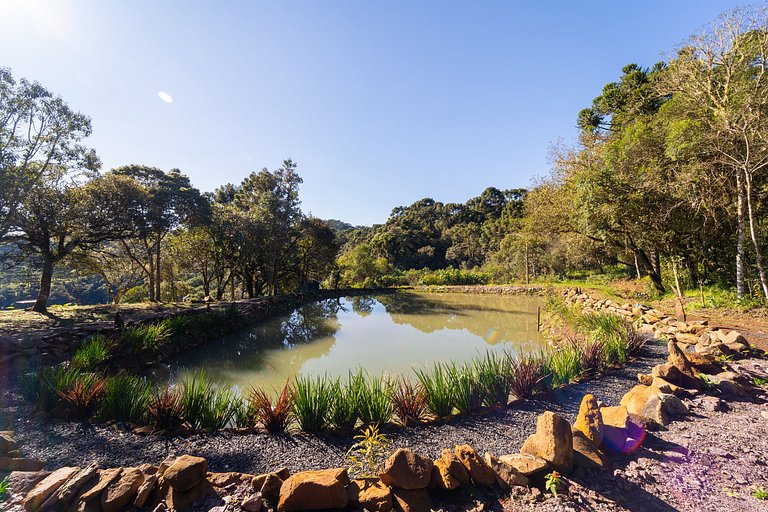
(466,389)
(374,405)
(274,417)
(125,398)
(493,374)
(167,409)
(408,401)
(205,406)
(222,408)
(146,336)
(93,353)
(563,364)
(367,455)
(312,400)
(345,405)
(83,395)
(591,355)
(437,390)
(51,381)
(526,375)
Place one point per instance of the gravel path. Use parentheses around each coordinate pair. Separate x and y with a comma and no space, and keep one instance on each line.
(500,431)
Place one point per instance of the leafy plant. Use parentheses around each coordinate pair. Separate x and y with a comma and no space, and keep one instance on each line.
(374,405)
(757,381)
(592,355)
(527,374)
(493,373)
(551,481)
(4,483)
(564,364)
(146,336)
(167,409)
(125,398)
(467,391)
(196,392)
(408,401)
(223,406)
(343,414)
(759,492)
(51,381)
(367,455)
(93,353)
(273,416)
(83,395)
(437,390)
(312,400)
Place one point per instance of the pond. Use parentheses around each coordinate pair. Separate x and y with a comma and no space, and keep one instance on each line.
(391,333)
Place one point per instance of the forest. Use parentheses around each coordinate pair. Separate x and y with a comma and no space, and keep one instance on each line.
(665,183)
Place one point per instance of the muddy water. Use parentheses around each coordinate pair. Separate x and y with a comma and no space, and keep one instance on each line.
(382,333)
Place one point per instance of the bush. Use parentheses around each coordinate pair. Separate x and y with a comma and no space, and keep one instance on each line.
(274,417)
(437,390)
(374,405)
(205,406)
(143,337)
(526,375)
(93,353)
(563,364)
(125,398)
(466,389)
(345,405)
(312,400)
(453,276)
(166,407)
(53,380)
(83,395)
(493,374)
(408,401)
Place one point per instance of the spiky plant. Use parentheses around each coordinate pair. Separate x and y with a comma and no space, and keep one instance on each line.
(274,416)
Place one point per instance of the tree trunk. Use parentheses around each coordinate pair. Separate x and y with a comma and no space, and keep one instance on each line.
(755,242)
(740,237)
(157,270)
(41,304)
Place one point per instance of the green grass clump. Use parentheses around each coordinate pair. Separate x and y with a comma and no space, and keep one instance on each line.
(205,406)
(312,401)
(125,398)
(345,404)
(150,337)
(374,405)
(4,483)
(51,382)
(563,364)
(437,388)
(93,353)
(467,390)
(493,374)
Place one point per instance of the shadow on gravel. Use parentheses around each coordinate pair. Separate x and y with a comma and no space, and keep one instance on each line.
(638,499)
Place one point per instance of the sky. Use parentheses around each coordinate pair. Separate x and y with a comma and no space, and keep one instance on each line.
(379,103)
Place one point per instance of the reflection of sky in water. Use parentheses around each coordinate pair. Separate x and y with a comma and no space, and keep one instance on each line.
(385,333)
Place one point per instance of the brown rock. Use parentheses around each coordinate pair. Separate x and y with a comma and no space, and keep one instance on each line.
(314,490)
(450,463)
(122,492)
(412,500)
(589,421)
(479,471)
(369,494)
(407,470)
(636,398)
(223,480)
(585,452)
(653,410)
(677,359)
(47,486)
(21,482)
(252,503)
(645,378)
(20,464)
(7,442)
(71,488)
(734,340)
(506,476)
(106,477)
(182,500)
(667,387)
(553,442)
(525,464)
(270,489)
(186,472)
(671,374)
(702,362)
(145,491)
(442,477)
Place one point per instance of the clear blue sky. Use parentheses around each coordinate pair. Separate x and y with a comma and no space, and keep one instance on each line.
(380,103)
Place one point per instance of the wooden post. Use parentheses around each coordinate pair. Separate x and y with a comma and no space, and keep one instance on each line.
(538,318)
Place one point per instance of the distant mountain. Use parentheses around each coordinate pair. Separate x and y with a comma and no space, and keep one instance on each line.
(340,226)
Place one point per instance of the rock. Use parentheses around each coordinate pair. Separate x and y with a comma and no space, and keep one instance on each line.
(671,374)
(525,464)
(636,398)
(479,472)
(71,488)
(448,473)
(552,442)
(46,487)
(711,404)
(106,477)
(407,470)
(646,379)
(314,490)
(186,472)
(454,466)
(369,494)
(7,442)
(270,489)
(252,503)
(283,473)
(506,476)
(20,464)
(182,500)
(589,421)
(615,416)
(122,492)
(412,500)
(21,482)
(667,387)
(585,452)
(223,480)
(145,491)
(654,411)
(702,362)
(677,359)
(673,406)
(734,341)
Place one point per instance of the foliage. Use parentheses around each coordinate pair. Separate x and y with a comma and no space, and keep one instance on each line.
(147,336)
(563,364)
(83,395)
(343,413)
(312,400)
(438,390)
(93,353)
(53,380)
(166,406)
(492,372)
(125,398)
(366,456)
(467,391)
(275,415)
(374,404)
(408,401)
(526,375)
(4,488)
(551,481)
(759,492)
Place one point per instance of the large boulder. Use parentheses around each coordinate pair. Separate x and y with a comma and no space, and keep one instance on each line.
(585,452)
(506,476)
(314,490)
(677,359)
(553,442)
(407,469)
(478,469)
(186,472)
(106,477)
(122,492)
(47,486)
(369,494)
(636,398)
(589,421)
(525,464)
(733,340)
(21,482)
(672,374)
(7,442)
(412,500)
(451,469)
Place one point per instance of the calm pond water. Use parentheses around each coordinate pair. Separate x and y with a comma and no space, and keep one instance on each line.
(391,333)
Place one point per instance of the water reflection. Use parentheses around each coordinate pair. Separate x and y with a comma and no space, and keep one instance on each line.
(384,333)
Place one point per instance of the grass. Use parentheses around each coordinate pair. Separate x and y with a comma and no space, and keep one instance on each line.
(52,381)
(493,373)
(207,407)
(374,406)
(527,375)
(83,395)
(437,388)
(4,483)
(466,389)
(149,337)
(125,398)
(312,401)
(563,364)
(274,415)
(166,407)
(93,353)
(343,413)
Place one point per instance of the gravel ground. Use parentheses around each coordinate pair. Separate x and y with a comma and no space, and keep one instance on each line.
(63,443)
